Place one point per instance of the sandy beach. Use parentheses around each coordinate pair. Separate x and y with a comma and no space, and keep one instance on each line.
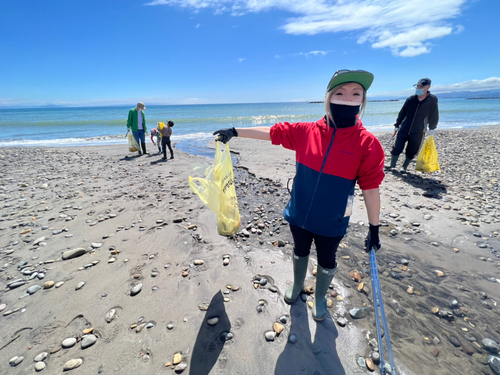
(109,263)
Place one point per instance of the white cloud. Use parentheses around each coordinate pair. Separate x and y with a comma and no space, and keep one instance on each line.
(406,27)
(411,51)
(241,59)
(198,25)
(314,53)
(408,44)
(492,83)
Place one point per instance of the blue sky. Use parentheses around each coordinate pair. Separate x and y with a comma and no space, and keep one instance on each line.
(220,51)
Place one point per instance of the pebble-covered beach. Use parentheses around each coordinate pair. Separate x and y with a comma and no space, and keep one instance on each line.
(111,264)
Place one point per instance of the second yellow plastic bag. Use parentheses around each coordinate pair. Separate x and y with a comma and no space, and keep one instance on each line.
(217,191)
(132,143)
(428,158)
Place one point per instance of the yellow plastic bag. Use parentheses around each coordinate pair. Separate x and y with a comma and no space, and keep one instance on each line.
(217,191)
(161,125)
(132,143)
(428,158)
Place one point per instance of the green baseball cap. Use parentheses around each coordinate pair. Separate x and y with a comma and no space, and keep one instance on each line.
(362,77)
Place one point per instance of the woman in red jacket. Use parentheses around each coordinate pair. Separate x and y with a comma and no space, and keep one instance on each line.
(332,154)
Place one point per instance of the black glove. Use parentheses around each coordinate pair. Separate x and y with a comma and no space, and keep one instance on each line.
(224,135)
(372,240)
(396,127)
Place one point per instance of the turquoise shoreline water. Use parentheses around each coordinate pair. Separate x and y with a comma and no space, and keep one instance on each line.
(194,124)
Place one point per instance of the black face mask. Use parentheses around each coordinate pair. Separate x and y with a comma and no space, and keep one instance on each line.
(344,116)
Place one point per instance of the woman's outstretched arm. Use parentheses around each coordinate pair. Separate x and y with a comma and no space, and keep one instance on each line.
(260,132)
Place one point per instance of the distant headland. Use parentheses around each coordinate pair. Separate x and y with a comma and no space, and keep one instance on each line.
(492,97)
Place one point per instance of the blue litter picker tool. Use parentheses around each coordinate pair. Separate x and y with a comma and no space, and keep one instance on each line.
(379,309)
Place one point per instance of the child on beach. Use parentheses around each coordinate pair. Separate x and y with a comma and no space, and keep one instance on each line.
(157,134)
(166,133)
(332,154)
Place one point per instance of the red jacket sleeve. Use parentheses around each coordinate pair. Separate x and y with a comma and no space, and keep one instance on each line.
(371,170)
(288,135)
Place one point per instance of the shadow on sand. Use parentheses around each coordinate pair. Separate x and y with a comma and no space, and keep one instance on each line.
(432,188)
(319,357)
(130,157)
(209,344)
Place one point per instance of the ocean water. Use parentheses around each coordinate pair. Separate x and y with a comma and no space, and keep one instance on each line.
(194,124)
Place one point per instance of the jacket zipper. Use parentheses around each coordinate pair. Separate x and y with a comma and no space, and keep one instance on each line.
(415,115)
(319,176)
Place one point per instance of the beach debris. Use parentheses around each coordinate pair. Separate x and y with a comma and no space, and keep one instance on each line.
(358,313)
(356,276)
(278,328)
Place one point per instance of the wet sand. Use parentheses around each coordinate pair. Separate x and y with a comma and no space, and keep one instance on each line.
(138,222)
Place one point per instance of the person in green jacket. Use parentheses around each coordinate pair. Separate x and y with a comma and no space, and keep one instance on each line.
(137,124)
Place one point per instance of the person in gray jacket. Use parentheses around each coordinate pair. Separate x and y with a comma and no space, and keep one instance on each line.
(418,111)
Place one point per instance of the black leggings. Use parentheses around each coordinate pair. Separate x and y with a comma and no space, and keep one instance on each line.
(414,142)
(326,247)
(165,141)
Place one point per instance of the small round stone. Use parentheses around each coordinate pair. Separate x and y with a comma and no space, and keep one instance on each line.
(361,362)
(41,357)
(14,361)
(213,321)
(341,322)
(72,364)
(226,336)
(180,368)
(136,289)
(88,340)
(490,345)
(270,335)
(33,289)
(39,366)
(69,342)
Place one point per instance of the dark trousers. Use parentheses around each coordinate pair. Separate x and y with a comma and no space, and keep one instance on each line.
(326,247)
(165,141)
(414,141)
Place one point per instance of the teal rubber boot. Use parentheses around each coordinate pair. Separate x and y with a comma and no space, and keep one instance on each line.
(405,164)
(394,160)
(324,277)
(299,275)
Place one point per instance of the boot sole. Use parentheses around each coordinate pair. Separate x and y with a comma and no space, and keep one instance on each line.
(319,319)
(290,301)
